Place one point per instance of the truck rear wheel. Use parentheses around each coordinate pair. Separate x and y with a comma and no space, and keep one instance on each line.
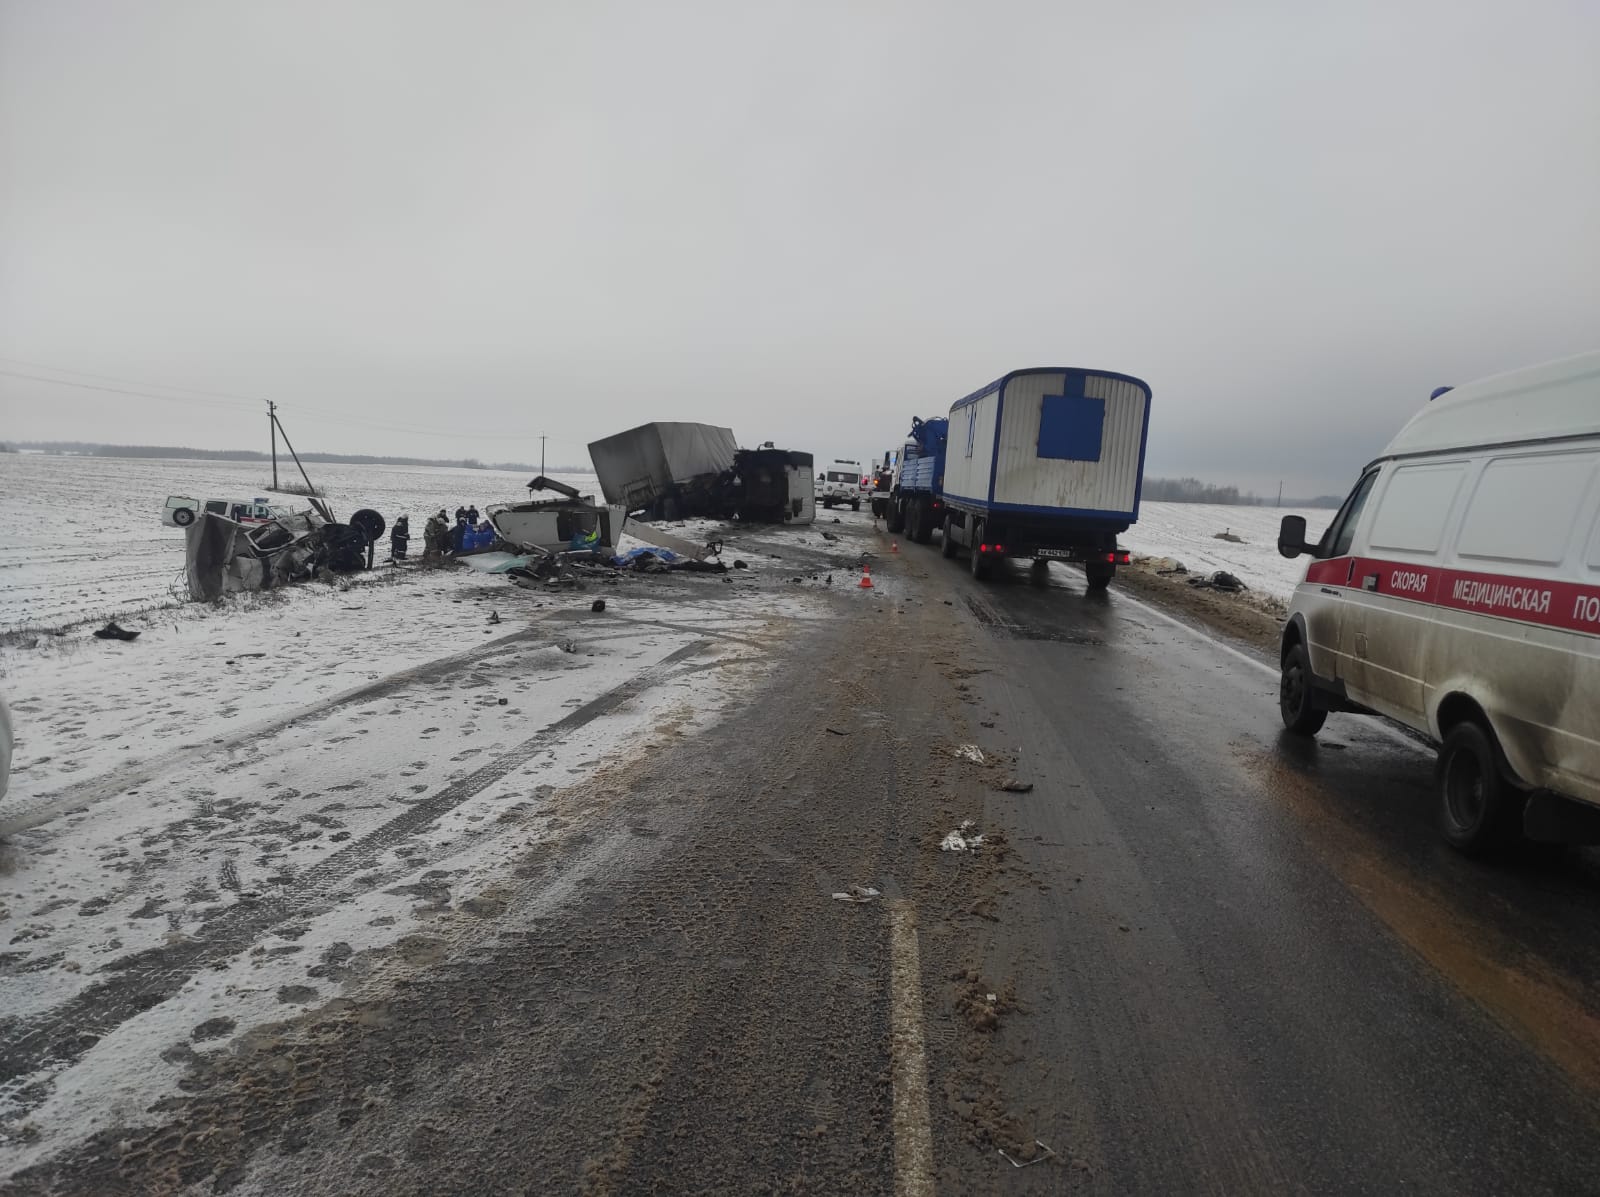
(1479,809)
(897,516)
(1296,697)
(980,561)
(924,532)
(1099,574)
(947,539)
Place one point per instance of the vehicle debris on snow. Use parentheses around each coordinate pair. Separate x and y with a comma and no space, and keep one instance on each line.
(969,752)
(857,894)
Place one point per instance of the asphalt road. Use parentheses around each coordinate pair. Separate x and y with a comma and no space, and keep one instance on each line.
(1195,958)
(1254,966)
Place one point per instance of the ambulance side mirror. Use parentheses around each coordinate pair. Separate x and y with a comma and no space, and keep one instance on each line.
(1292,536)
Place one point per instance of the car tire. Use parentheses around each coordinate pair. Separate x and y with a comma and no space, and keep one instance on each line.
(1296,694)
(183,516)
(1098,574)
(1480,811)
(947,539)
(979,563)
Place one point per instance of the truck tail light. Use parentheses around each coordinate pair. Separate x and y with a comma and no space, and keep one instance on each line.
(991,548)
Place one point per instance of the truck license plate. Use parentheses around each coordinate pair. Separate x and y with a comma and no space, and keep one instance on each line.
(1054,553)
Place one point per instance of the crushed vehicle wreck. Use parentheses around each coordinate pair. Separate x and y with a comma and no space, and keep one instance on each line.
(572,521)
(674,471)
(768,486)
(223,556)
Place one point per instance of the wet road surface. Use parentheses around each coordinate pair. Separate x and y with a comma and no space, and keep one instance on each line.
(1196,957)
(1256,966)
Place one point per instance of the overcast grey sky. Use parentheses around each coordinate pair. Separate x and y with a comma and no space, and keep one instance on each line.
(807,221)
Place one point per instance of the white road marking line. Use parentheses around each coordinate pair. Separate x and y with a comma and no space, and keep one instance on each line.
(913,1131)
(1378,724)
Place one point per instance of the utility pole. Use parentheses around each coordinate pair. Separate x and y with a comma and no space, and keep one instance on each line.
(272,424)
(541,454)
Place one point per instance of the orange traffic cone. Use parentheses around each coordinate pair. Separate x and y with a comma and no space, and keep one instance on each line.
(866,578)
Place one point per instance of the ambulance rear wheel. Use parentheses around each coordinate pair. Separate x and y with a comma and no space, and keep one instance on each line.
(1296,699)
(1479,809)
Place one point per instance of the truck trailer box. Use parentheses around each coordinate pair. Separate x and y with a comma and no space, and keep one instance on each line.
(662,465)
(1046,463)
(1051,441)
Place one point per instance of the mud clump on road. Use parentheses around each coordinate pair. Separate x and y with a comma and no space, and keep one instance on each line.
(980,1003)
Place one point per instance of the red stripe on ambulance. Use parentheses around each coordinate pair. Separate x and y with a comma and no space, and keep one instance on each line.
(1571,606)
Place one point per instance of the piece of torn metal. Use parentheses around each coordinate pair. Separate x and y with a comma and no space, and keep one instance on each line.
(969,752)
(962,839)
(857,893)
(1018,787)
(1038,1159)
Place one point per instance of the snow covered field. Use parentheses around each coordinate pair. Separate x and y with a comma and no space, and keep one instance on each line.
(1187,533)
(84,538)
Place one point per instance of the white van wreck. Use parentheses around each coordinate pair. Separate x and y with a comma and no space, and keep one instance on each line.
(1457,591)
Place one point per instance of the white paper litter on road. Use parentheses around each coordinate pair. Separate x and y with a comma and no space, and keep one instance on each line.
(962,839)
(970,752)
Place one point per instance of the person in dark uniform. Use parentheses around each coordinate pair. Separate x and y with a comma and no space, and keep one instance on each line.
(458,534)
(461,514)
(399,539)
(472,516)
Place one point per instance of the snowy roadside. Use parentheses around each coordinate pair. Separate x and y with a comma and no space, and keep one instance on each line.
(259,827)
(1188,533)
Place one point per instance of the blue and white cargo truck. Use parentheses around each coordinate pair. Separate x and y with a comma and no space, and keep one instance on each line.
(916,506)
(1046,463)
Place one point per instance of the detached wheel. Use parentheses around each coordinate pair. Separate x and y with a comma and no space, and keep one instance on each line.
(1479,810)
(947,542)
(979,561)
(183,516)
(1296,695)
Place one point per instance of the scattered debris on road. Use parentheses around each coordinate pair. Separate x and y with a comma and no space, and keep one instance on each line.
(962,839)
(114,631)
(1046,1153)
(969,752)
(857,894)
(1017,787)
(1221,580)
(834,731)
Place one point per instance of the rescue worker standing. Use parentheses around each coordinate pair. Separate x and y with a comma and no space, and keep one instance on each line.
(399,539)
(434,534)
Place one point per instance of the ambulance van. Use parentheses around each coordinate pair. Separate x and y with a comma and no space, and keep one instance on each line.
(1457,592)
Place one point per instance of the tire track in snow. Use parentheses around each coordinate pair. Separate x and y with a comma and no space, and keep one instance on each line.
(145,979)
(63,802)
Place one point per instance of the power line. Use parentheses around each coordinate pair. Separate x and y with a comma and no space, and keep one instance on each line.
(215,397)
(88,386)
(130,382)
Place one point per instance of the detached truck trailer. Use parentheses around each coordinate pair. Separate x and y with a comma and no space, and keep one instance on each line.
(667,469)
(1046,463)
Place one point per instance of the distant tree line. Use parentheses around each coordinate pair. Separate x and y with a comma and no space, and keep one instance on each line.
(1192,490)
(83,449)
